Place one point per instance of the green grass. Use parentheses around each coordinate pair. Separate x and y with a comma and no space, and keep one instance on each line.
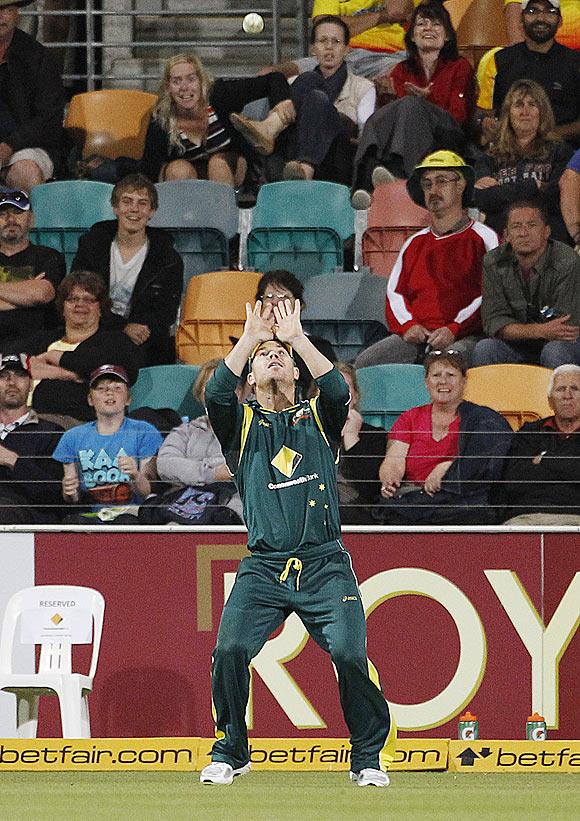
(284,796)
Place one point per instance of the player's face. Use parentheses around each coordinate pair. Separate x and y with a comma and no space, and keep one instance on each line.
(14,224)
(14,387)
(272,362)
(109,397)
(445,383)
(565,397)
(184,86)
(541,21)
(329,47)
(526,231)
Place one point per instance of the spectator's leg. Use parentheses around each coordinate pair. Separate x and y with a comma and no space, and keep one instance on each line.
(495,352)
(318,123)
(179,170)
(560,353)
(393,349)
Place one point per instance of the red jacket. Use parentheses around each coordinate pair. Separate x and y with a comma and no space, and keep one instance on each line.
(453,86)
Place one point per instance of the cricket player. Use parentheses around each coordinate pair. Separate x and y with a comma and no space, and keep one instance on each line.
(282,455)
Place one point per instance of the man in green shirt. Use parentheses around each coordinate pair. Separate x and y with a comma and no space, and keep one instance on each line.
(283,459)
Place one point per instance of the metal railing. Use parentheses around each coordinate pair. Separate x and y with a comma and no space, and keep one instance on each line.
(95,47)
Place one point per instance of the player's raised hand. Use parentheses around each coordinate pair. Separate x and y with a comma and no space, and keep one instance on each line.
(287,326)
(259,322)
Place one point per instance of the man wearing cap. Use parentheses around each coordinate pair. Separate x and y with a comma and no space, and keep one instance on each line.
(282,456)
(539,57)
(31,104)
(105,461)
(29,478)
(434,290)
(29,274)
(531,295)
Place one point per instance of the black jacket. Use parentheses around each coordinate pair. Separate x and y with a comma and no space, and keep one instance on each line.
(35,479)
(106,346)
(35,96)
(157,292)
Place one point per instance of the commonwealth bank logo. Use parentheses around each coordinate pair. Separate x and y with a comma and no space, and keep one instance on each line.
(286,461)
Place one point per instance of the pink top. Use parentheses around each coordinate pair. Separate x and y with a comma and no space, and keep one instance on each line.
(414,427)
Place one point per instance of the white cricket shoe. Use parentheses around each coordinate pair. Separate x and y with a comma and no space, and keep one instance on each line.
(218,772)
(369,777)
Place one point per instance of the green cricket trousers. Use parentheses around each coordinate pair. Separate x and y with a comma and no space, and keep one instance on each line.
(323,592)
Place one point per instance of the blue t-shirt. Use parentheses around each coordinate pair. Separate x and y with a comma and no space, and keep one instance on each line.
(97,455)
(574,163)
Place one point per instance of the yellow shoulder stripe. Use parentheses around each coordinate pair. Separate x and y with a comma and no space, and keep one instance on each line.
(246,422)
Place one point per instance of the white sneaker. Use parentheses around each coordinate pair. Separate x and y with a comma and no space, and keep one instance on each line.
(361,200)
(218,772)
(381,175)
(369,777)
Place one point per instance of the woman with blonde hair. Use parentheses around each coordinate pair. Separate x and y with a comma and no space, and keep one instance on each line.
(524,162)
(190,135)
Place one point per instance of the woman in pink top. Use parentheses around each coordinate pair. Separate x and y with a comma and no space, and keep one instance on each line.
(443,458)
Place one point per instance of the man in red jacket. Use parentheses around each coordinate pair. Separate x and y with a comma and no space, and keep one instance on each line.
(434,291)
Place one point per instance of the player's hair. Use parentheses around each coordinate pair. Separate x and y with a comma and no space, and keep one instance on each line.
(203,378)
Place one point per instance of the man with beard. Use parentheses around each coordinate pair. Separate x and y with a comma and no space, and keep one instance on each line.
(434,290)
(29,274)
(538,58)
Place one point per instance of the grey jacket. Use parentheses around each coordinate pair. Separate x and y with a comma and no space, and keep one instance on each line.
(508,297)
(190,455)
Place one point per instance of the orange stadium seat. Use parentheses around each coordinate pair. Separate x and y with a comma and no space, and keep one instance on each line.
(518,392)
(112,122)
(213,310)
(481,27)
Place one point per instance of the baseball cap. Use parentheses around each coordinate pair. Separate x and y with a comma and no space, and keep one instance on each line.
(441,160)
(117,371)
(555,3)
(19,199)
(15,362)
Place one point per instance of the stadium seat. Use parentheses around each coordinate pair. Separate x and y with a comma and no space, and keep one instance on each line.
(518,392)
(111,122)
(301,226)
(75,618)
(482,26)
(360,296)
(213,310)
(167,386)
(392,218)
(388,390)
(65,210)
(348,337)
(202,216)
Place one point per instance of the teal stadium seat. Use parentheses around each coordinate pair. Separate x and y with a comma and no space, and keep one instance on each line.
(301,226)
(388,390)
(167,386)
(65,210)
(202,217)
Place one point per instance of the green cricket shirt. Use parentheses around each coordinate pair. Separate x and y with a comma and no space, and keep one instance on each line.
(283,463)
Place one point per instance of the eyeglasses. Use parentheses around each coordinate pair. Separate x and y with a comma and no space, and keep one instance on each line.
(271,295)
(534,11)
(427,185)
(330,41)
(81,300)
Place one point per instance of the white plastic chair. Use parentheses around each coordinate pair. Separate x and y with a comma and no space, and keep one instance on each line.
(56,617)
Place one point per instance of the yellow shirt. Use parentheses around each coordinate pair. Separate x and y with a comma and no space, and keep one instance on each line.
(384,37)
(569,32)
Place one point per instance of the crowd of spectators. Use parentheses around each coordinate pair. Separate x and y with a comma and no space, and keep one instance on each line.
(502,287)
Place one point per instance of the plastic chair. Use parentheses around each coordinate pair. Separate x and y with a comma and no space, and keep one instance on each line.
(481,27)
(348,295)
(518,392)
(202,216)
(167,386)
(300,225)
(392,218)
(388,390)
(65,210)
(56,617)
(112,122)
(213,310)
(348,337)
